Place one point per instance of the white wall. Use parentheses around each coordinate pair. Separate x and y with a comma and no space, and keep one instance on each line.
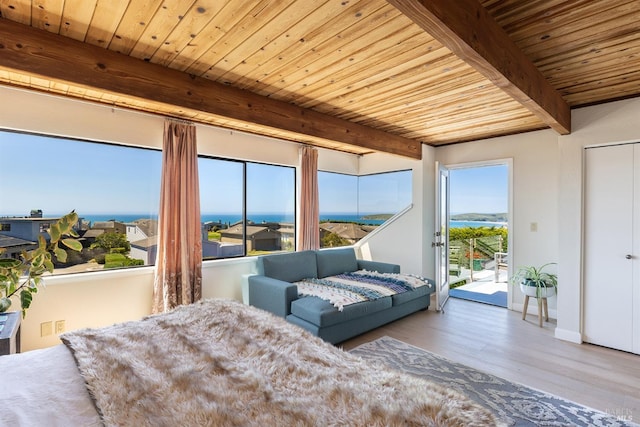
(98,299)
(535,167)
(87,300)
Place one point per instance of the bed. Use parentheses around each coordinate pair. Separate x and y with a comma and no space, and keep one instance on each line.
(216,363)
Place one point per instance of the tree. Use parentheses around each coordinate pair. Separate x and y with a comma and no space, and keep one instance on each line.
(332,240)
(466,233)
(112,242)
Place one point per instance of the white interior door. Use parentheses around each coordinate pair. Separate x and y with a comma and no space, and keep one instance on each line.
(635,264)
(441,237)
(609,246)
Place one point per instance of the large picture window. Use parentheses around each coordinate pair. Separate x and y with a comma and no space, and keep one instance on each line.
(114,189)
(353,206)
(246,208)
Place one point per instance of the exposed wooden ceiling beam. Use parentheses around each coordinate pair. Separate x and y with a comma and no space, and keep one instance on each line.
(62,59)
(467,29)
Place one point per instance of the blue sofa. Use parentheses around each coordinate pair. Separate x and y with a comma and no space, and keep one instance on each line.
(272,289)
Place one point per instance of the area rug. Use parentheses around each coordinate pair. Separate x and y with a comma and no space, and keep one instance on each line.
(513,404)
(498,298)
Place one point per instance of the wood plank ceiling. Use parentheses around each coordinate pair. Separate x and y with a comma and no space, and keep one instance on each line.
(356,76)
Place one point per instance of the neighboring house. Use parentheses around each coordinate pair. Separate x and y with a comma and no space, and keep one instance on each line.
(141,229)
(91,234)
(264,237)
(26,228)
(348,230)
(110,226)
(14,246)
(287,236)
(142,234)
(221,250)
(21,233)
(145,249)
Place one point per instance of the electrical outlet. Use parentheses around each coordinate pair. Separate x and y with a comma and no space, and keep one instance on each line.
(46,328)
(59,326)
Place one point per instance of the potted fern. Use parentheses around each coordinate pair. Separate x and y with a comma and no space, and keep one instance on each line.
(21,277)
(536,282)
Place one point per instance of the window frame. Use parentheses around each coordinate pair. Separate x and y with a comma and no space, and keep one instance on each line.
(245,164)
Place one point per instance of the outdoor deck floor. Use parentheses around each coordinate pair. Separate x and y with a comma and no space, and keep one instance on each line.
(483,287)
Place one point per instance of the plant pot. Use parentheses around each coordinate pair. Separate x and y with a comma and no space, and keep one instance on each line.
(537,292)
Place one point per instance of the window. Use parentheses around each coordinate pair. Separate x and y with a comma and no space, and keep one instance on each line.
(382,195)
(247,208)
(271,207)
(113,189)
(353,206)
(222,207)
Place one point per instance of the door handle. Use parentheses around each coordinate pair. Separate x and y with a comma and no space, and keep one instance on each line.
(436,244)
(629,256)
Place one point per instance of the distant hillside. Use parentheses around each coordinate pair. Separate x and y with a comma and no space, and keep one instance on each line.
(495,217)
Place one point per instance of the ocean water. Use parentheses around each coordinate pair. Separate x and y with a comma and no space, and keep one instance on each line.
(269,217)
(233,218)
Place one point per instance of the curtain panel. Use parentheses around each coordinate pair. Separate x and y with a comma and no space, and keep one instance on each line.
(309,235)
(178,268)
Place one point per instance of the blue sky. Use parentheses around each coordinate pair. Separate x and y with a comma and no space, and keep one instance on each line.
(338,192)
(57,175)
(379,193)
(479,189)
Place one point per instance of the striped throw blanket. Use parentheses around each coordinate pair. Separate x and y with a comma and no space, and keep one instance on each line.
(358,286)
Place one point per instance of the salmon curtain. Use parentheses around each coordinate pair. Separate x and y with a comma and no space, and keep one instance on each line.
(178,268)
(309,235)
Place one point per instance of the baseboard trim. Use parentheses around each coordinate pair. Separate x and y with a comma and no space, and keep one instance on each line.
(566,335)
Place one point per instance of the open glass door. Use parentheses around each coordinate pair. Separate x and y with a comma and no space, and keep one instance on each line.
(441,237)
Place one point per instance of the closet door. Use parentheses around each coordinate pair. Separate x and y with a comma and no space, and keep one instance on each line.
(635,293)
(610,255)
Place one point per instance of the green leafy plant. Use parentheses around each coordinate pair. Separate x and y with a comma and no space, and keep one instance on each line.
(535,277)
(112,242)
(23,276)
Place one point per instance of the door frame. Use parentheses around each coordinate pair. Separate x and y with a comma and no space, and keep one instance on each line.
(441,242)
(508,161)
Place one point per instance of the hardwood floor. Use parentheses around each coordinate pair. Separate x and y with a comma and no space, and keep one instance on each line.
(498,341)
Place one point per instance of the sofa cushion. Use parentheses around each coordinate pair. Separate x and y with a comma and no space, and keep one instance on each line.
(322,313)
(332,262)
(418,292)
(290,267)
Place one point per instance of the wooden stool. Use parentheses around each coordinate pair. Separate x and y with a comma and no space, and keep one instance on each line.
(541,304)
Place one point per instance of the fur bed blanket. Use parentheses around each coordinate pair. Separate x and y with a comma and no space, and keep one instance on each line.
(222,363)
